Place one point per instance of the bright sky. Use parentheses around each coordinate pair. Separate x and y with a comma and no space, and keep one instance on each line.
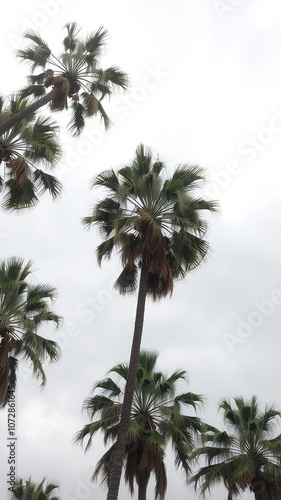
(205,88)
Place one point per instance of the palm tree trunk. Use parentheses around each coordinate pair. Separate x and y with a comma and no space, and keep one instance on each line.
(260,489)
(29,110)
(142,488)
(118,457)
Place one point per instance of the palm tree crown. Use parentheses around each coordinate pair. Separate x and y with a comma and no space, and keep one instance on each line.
(75,76)
(156,419)
(23,309)
(24,150)
(152,219)
(247,458)
(29,490)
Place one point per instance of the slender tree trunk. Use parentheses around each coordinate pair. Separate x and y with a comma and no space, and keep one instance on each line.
(118,457)
(29,110)
(142,488)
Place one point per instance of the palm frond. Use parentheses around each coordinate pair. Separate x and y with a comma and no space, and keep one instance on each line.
(34,90)
(127,280)
(46,182)
(18,197)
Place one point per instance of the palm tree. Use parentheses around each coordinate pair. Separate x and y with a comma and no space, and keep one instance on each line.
(24,308)
(26,147)
(249,457)
(157,222)
(156,419)
(29,490)
(75,77)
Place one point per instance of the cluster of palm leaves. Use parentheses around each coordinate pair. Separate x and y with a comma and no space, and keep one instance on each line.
(76,76)
(152,219)
(247,458)
(24,308)
(25,149)
(156,419)
(30,490)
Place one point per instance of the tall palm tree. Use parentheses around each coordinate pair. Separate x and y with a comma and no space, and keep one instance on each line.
(24,150)
(156,419)
(156,221)
(249,457)
(29,490)
(24,308)
(75,77)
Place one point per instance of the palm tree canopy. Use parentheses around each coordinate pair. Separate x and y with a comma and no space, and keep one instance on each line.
(25,150)
(156,418)
(24,308)
(76,74)
(247,456)
(152,218)
(29,490)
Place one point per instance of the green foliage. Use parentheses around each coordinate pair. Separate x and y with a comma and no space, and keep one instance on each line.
(30,144)
(249,457)
(29,490)
(149,217)
(156,419)
(24,308)
(76,72)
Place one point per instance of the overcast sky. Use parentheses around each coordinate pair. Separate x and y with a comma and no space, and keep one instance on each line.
(205,88)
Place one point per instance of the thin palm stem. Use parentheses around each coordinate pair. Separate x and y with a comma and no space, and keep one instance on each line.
(116,470)
(29,110)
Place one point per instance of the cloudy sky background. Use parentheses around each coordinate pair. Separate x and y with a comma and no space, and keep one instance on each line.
(205,88)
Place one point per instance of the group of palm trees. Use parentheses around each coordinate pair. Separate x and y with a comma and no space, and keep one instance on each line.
(245,456)
(29,143)
(153,220)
